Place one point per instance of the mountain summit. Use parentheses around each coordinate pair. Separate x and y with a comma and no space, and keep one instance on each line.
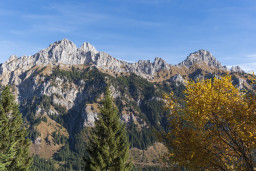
(202,57)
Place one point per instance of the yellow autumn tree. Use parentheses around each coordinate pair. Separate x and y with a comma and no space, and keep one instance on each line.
(213,128)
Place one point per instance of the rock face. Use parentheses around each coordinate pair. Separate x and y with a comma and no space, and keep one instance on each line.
(241,83)
(236,69)
(178,79)
(202,57)
(89,115)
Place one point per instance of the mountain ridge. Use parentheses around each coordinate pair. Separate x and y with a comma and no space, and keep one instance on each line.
(66,52)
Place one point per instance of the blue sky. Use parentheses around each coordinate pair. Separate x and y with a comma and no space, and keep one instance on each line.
(134,29)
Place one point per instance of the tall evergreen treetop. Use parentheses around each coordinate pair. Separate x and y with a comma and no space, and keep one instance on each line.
(14,147)
(108,147)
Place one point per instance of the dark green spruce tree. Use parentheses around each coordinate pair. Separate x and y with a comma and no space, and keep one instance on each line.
(108,147)
(14,147)
(7,151)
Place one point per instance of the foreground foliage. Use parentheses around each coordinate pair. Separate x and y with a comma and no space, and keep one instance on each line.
(213,127)
(108,148)
(14,147)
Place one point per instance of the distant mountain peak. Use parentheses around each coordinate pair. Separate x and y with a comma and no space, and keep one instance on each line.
(236,69)
(158,59)
(88,47)
(159,63)
(201,57)
(67,44)
(63,43)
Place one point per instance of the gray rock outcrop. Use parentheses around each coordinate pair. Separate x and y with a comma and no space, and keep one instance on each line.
(178,79)
(89,115)
(202,57)
(236,69)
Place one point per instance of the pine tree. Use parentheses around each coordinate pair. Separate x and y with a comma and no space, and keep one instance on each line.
(108,147)
(6,149)
(14,147)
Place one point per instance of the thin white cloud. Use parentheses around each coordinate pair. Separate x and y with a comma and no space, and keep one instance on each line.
(42,28)
(52,28)
(251,56)
(70,18)
(248,67)
(125,60)
(76,15)
(229,66)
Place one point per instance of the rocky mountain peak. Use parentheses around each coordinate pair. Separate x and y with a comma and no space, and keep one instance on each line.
(158,60)
(60,46)
(63,51)
(236,69)
(12,58)
(88,47)
(159,63)
(201,57)
(64,42)
(65,45)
